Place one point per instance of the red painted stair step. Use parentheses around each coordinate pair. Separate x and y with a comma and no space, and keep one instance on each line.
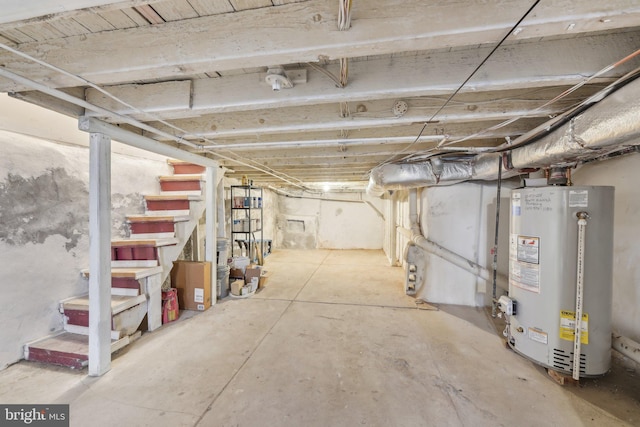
(187,168)
(152,227)
(125,283)
(180,185)
(77,317)
(133,253)
(167,205)
(65,349)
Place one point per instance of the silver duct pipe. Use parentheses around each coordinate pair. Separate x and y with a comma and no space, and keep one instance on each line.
(395,176)
(606,127)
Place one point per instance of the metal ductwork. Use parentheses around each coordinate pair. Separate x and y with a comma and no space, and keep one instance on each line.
(608,126)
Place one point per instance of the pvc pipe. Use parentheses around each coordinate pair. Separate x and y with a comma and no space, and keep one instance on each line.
(391,224)
(323,143)
(577,329)
(322,198)
(442,252)
(626,346)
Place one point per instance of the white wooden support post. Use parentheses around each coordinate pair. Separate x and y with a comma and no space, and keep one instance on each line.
(211,237)
(221,219)
(99,254)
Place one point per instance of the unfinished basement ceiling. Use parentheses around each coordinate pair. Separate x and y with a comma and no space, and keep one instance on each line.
(373,81)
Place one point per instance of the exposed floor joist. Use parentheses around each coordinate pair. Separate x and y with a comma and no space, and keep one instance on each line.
(310,35)
(182,73)
(534,65)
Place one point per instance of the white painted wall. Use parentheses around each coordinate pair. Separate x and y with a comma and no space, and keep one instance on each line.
(462,218)
(27,119)
(347,225)
(623,174)
(310,222)
(44,240)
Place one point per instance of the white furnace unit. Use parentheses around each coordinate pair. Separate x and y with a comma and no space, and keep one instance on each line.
(560,267)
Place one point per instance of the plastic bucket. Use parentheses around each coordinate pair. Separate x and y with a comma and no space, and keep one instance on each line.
(222,243)
(222,281)
(241,262)
(222,246)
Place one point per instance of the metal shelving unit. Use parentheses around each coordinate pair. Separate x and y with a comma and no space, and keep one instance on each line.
(246,221)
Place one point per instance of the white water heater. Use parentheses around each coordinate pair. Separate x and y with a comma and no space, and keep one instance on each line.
(560,264)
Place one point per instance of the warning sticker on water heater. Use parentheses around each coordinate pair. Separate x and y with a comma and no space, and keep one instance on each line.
(568,324)
(578,199)
(536,334)
(529,249)
(525,268)
(525,276)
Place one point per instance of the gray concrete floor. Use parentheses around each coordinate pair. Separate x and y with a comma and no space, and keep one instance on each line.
(331,341)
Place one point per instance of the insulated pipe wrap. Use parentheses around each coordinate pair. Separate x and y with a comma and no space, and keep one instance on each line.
(394,176)
(606,127)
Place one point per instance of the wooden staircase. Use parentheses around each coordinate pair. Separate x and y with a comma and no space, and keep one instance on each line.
(139,266)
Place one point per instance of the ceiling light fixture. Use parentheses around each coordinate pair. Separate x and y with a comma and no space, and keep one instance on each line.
(278,79)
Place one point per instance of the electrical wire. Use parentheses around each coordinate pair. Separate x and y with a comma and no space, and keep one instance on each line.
(88,83)
(553,100)
(344,71)
(496,47)
(180,140)
(344,15)
(570,112)
(327,73)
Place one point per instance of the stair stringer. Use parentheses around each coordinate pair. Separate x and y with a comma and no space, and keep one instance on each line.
(168,254)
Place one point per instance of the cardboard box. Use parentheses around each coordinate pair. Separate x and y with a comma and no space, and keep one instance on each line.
(193,282)
(236,273)
(251,273)
(263,279)
(236,287)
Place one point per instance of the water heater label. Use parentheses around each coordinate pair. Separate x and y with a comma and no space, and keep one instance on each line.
(515,204)
(578,199)
(568,324)
(529,249)
(513,247)
(538,335)
(526,276)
